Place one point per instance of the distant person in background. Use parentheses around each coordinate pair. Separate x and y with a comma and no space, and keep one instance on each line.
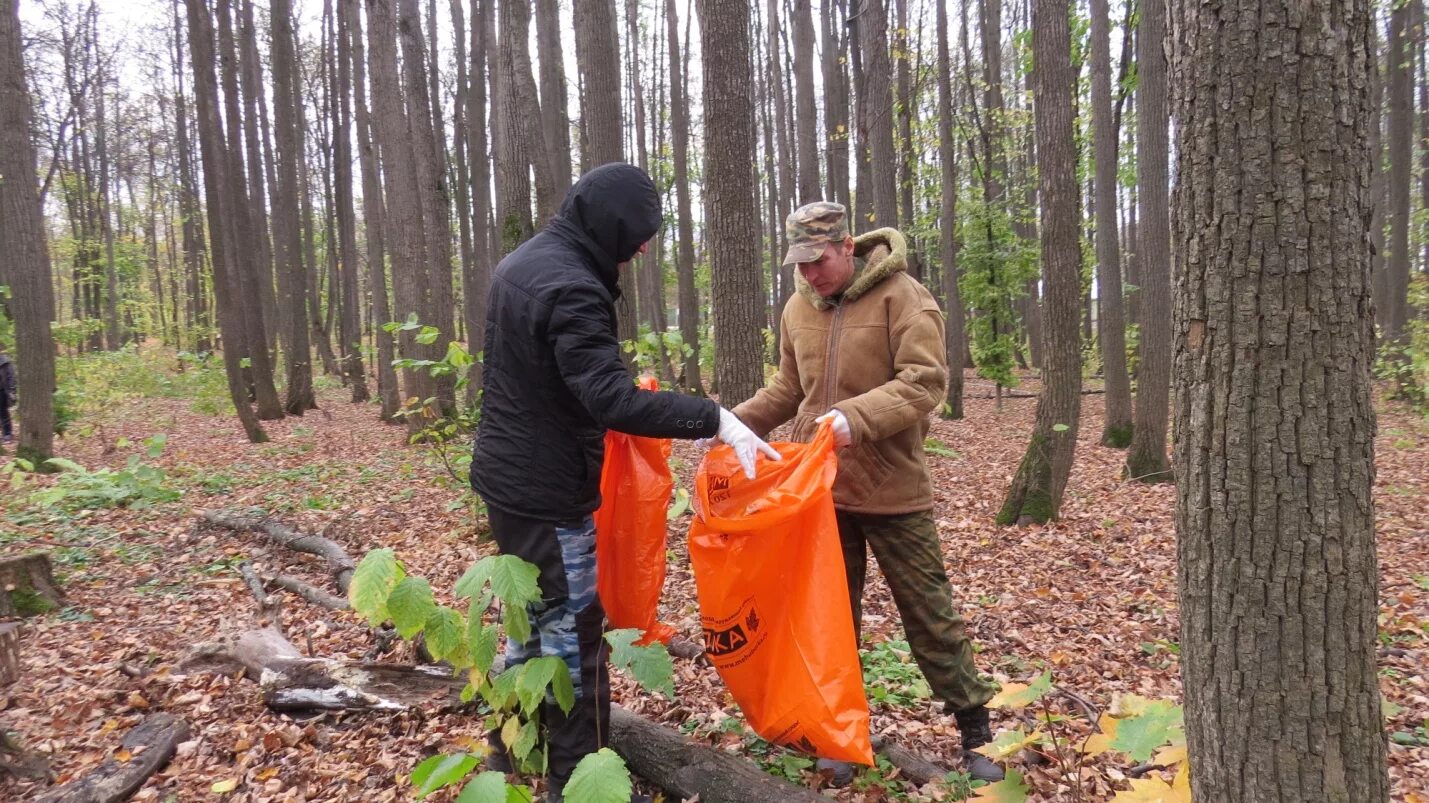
(7,395)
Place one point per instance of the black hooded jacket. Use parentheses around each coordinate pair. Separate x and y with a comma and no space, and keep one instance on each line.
(553,378)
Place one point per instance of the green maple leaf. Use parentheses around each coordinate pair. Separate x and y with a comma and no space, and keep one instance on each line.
(1139,736)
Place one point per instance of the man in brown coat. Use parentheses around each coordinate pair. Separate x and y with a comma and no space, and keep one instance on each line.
(862,347)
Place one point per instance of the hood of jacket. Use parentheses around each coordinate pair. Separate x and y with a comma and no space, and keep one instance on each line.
(610,212)
(884,252)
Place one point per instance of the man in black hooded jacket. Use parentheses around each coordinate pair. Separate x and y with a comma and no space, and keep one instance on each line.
(554,383)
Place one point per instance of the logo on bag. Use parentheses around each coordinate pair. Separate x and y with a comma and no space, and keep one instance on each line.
(731,635)
(719,489)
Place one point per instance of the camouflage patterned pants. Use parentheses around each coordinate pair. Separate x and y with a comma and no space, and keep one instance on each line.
(907,549)
(568,623)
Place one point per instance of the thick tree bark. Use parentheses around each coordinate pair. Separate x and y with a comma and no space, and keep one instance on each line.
(531,143)
(956,328)
(1146,461)
(685,249)
(1036,492)
(598,53)
(836,103)
(476,282)
(1275,449)
(287,239)
(1117,429)
(220,224)
(512,150)
(25,268)
(251,81)
(731,209)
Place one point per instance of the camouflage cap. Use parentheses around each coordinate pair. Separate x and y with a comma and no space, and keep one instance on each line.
(811,227)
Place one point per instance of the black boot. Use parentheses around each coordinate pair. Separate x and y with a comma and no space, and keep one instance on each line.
(976,731)
(498,758)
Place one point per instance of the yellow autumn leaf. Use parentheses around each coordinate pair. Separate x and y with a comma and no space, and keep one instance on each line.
(1152,790)
(1182,784)
(1021,695)
(1008,744)
(1129,705)
(123,756)
(1170,756)
(224,787)
(1099,743)
(268,773)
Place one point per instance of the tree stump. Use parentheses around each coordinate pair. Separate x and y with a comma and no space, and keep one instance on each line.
(27,586)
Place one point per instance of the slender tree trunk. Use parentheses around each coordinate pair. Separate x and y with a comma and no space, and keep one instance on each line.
(731,211)
(475,284)
(251,81)
(376,221)
(1379,187)
(1117,430)
(350,319)
(112,337)
(1146,461)
(782,201)
(1401,167)
(199,321)
(221,224)
(863,206)
(956,327)
(512,152)
(532,144)
(905,108)
(685,251)
(806,121)
(26,266)
(877,86)
(1277,573)
(1036,492)
(460,143)
(287,242)
(836,103)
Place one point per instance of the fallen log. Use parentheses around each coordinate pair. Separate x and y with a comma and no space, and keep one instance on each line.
(19,761)
(309,592)
(151,744)
(9,653)
(663,756)
(27,586)
(341,563)
(915,768)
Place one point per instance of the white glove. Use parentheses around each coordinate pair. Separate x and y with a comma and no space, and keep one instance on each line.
(842,436)
(745,443)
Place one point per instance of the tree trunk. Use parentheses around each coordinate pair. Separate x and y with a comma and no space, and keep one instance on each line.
(405,235)
(245,259)
(806,120)
(877,95)
(251,81)
(287,239)
(1036,492)
(598,53)
(907,169)
(1401,169)
(1117,429)
(475,284)
(26,266)
(685,250)
(112,337)
(836,103)
(375,219)
(553,95)
(1277,573)
(221,228)
(1146,461)
(731,208)
(528,136)
(956,328)
(350,319)
(196,309)
(511,151)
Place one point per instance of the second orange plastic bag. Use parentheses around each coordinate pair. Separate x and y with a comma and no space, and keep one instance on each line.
(774,598)
(635,485)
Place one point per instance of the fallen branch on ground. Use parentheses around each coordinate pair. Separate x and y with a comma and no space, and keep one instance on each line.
(915,768)
(151,745)
(341,563)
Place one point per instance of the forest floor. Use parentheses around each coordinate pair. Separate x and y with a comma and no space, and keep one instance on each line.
(1090,597)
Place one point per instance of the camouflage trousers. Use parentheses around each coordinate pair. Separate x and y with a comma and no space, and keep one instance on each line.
(567,623)
(911,558)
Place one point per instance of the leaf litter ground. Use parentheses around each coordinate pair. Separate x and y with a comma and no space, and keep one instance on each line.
(1090,597)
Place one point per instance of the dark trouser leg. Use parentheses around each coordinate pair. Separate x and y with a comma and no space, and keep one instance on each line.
(907,549)
(568,624)
(6,428)
(855,551)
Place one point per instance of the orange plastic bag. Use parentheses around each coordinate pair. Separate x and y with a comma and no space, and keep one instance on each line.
(635,485)
(774,598)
